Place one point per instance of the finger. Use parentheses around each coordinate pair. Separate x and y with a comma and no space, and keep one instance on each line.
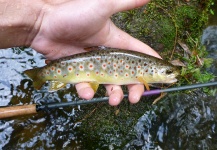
(84,90)
(122,5)
(120,39)
(135,92)
(115,94)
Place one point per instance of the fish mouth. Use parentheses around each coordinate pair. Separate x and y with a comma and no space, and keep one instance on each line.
(165,79)
(172,78)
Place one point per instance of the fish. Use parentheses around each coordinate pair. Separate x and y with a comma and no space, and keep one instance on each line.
(104,66)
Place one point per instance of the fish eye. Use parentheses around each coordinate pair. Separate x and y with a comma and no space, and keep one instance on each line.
(169,71)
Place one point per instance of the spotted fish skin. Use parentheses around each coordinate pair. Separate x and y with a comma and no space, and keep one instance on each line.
(110,66)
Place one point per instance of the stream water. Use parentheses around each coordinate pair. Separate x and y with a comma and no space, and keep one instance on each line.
(181,121)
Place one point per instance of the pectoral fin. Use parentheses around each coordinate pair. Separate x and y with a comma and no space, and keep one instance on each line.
(56,85)
(141,79)
(94,86)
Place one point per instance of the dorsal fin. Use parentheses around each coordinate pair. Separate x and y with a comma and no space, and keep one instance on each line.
(95,48)
(47,61)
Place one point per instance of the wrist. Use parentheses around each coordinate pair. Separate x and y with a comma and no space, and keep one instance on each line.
(20,22)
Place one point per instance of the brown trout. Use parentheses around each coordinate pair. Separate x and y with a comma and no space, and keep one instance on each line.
(109,66)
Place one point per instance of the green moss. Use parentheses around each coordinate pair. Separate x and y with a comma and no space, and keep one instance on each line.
(161,24)
(104,125)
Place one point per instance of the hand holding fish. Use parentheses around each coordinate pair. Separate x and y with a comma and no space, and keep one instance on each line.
(64,27)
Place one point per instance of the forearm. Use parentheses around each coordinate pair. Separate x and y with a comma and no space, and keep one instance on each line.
(19,22)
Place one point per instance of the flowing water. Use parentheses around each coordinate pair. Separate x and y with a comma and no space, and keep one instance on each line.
(43,130)
(182,121)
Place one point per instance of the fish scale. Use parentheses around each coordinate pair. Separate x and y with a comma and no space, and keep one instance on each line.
(110,66)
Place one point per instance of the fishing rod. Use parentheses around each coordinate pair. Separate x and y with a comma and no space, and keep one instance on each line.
(12,111)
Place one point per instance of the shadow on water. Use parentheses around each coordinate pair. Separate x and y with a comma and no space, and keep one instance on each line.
(181,122)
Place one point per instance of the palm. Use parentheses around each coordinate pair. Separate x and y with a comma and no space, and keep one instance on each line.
(68,34)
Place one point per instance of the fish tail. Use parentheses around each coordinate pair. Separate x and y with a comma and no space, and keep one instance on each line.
(33,74)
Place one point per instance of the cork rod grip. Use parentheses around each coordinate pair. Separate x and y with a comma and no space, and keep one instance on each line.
(12,111)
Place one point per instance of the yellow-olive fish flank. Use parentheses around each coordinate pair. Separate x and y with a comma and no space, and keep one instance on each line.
(108,66)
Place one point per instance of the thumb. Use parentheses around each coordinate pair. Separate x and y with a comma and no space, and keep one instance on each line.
(122,5)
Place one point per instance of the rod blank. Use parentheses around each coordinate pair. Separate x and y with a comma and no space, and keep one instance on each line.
(187,87)
(12,111)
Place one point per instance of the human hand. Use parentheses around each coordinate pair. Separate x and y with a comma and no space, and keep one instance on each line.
(69,26)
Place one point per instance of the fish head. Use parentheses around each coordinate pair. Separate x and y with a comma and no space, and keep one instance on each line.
(168,73)
(163,73)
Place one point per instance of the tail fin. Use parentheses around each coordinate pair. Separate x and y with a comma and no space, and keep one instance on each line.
(37,80)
